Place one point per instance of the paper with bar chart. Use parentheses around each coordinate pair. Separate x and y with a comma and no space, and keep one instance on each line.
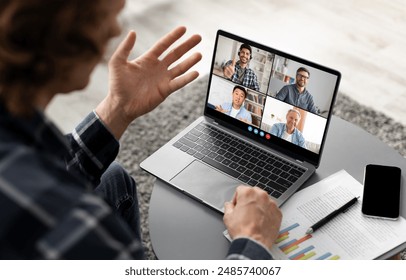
(350,235)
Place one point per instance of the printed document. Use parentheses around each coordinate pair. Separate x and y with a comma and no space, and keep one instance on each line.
(350,235)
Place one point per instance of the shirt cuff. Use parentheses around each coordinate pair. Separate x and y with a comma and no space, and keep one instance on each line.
(96,141)
(246,248)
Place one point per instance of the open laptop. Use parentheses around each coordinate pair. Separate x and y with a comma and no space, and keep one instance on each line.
(254,130)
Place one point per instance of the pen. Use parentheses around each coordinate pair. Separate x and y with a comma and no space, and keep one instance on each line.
(332,215)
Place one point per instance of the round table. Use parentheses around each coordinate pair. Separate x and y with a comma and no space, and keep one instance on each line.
(182,228)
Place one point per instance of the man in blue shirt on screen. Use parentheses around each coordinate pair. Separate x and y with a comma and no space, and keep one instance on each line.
(236,109)
(297,94)
(288,130)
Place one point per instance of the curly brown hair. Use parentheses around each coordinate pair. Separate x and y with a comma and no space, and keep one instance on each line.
(35,36)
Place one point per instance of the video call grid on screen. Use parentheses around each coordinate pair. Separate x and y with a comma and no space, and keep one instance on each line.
(273,72)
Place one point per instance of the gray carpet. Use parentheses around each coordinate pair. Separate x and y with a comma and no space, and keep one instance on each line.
(151,131)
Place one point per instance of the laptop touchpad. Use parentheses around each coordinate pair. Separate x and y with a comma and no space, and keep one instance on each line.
(207,184)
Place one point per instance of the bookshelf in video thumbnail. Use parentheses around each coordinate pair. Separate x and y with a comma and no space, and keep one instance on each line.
(255,104)
(283,77)
(261,63)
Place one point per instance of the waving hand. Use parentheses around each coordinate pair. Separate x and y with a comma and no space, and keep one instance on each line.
(139,85)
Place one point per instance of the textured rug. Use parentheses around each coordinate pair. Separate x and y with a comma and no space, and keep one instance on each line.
(151,131)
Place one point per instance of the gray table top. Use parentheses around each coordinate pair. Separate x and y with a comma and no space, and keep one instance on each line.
(182,228)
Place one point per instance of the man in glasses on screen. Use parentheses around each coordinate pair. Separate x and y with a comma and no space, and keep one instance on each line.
(297,94)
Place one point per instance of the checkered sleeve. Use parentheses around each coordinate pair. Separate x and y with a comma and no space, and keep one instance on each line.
(247,249)
(90,231)
(93,148)
(48,216)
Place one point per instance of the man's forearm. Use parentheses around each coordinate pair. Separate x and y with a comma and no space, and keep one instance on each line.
(112,117)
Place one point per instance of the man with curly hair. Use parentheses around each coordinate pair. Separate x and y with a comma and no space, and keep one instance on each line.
(64,197)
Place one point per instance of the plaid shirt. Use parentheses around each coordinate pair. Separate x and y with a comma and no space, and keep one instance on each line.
(250,78)
(48,209)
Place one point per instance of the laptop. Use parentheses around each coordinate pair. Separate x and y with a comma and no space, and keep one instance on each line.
(254,131)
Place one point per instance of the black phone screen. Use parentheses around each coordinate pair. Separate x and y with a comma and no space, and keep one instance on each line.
(381,191)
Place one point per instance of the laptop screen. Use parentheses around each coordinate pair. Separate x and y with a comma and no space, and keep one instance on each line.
(275,98)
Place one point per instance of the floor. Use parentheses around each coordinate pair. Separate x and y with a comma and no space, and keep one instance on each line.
(363,39)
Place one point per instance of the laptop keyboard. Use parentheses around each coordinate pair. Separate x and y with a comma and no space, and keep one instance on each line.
(239,159)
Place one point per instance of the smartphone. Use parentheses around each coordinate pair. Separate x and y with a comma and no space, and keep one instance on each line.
(381,197)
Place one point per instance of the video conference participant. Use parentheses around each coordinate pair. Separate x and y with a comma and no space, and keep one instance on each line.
(239,72)
(297,94)
(288,130)
(236,109)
